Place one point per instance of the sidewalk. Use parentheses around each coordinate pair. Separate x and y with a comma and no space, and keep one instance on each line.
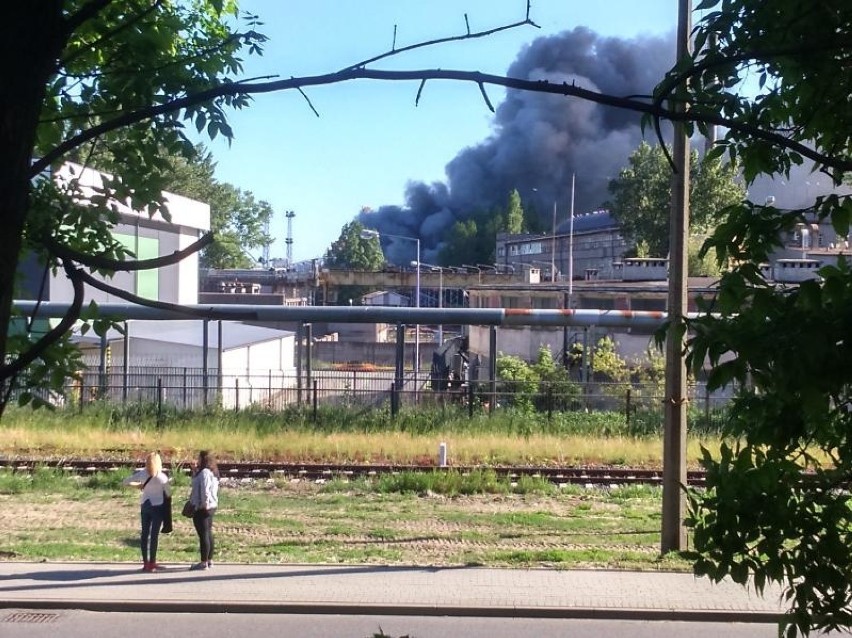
(366,589)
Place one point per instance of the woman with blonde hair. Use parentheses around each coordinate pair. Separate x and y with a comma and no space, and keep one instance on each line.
(154,484)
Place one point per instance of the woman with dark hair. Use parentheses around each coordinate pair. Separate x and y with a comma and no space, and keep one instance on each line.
(205,499)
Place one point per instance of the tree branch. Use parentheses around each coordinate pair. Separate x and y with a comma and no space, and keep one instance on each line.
(98,261)
(535,86)
(428,43)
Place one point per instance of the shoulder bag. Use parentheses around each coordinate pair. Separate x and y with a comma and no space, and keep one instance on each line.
(188,509)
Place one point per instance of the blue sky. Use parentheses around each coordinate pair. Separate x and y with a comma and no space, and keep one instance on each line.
(370,140)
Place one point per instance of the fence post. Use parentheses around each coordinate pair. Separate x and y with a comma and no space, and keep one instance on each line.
(492,368)
(399,362)
(185,380)
(300,334)
(470,395)
(393,398)
(82,390)
(159,402)
(316,399)
(549,402)
(236,394)
(220,378)
(628,406)
(125,364)
(309,354)
(102,368)
(205,349)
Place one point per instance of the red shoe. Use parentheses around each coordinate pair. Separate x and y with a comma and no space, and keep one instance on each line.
(148,567)
(155,567)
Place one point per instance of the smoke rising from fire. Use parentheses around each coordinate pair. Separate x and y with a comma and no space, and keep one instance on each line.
(539,141)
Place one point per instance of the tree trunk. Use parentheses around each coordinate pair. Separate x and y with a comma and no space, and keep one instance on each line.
(31,38)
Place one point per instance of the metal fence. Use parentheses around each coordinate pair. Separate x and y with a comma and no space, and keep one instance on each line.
(195,389)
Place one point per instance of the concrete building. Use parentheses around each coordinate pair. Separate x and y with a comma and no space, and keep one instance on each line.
(594,239)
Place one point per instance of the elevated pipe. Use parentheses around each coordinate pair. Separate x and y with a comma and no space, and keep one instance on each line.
(364,314)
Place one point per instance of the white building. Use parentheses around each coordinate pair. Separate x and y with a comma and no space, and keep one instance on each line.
(147,236)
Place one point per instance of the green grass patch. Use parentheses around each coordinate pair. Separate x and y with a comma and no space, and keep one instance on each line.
(57,517)
(454,483)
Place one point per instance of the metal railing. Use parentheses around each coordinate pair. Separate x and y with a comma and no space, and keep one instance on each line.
(188,389)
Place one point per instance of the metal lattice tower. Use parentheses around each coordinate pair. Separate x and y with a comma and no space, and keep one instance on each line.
(289,241)
(266,245)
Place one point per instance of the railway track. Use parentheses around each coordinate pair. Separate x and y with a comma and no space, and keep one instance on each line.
(600,476)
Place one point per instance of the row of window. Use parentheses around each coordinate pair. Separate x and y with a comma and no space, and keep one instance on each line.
(537,247)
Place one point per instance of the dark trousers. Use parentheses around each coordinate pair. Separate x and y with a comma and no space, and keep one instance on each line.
(152,521)
(203,522)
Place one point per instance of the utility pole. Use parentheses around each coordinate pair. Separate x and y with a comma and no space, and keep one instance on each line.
(673,537)
(553,246)
(571,246)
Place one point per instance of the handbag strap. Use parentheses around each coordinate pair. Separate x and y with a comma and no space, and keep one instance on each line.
(146,481)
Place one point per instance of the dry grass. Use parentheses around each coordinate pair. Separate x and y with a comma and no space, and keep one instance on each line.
(393,447)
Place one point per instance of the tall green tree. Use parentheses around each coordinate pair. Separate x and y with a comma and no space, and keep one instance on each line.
(472,241)
(513,221)
(458,248)
(642,196)
(533,222)
(352,251)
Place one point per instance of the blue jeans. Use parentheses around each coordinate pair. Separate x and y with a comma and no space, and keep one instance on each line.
(152,521)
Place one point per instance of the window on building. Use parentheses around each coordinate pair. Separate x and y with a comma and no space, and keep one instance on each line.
(147,281)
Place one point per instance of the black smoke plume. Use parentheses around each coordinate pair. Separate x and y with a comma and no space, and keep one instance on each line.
(539,141)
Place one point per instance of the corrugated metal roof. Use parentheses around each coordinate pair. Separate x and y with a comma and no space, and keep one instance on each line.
(587,222)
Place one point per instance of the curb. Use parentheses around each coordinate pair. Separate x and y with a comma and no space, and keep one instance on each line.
(354,609)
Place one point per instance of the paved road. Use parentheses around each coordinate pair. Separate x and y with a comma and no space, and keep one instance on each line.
(383,590)
(86,624)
